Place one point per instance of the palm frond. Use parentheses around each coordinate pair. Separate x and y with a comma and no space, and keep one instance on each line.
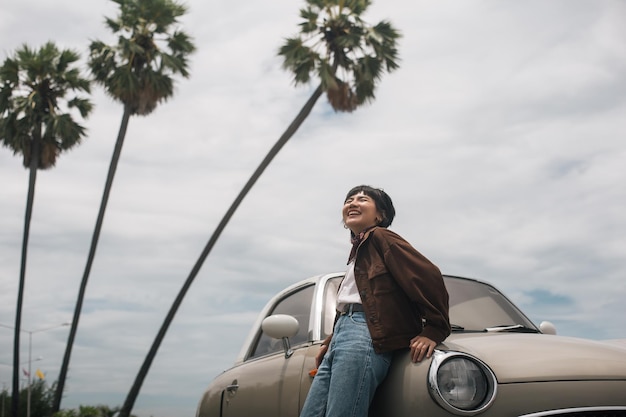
(83,105)
(66,58)
(6,91)
(367,72)
(327,76)
(309,17)
(357,7)
(114,25)
(180,43)
(299,59)
(64,128)
(9,72)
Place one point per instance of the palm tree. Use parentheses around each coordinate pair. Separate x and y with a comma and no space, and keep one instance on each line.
(138,72)
(349,57)
(36,121)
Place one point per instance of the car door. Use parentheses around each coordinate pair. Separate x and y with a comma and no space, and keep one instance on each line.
(268,384)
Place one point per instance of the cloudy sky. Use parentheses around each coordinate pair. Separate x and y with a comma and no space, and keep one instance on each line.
(501,139)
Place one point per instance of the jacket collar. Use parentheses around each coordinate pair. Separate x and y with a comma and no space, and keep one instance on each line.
(357,240)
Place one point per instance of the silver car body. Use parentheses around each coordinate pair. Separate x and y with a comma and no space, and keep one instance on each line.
(496,363)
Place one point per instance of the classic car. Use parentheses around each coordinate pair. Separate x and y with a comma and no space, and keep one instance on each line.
(496,363)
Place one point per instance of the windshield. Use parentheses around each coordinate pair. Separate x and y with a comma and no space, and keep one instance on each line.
(475,306)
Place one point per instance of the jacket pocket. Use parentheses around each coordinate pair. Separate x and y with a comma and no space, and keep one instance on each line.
(382,284)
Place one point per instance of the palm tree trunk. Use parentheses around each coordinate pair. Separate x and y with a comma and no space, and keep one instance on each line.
(92,252)
(143,372)
(32,178)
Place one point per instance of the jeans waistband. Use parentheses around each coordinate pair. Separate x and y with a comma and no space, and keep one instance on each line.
(351,308)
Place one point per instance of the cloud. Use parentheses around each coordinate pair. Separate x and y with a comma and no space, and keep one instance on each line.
(500,139)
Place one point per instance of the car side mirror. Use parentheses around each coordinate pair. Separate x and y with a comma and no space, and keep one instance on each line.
(547,327)
(281,326)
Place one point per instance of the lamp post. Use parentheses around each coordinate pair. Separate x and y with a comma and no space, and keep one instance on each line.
(30,346)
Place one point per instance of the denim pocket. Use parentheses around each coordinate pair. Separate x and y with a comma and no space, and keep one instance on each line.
(358,318)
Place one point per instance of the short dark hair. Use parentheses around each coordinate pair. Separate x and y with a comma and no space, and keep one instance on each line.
(381,199)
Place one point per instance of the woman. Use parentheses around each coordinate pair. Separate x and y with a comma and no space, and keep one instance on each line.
(391,298)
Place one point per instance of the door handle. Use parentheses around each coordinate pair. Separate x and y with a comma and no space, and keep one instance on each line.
(232,388)
(229,392)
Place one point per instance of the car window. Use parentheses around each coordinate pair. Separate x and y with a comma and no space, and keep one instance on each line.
(296,304)
(476,306)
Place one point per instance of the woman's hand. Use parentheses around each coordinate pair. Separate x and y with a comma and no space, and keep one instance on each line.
(320,355)
(421,347)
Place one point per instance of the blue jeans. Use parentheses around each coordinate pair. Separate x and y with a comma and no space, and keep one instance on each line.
(349,374)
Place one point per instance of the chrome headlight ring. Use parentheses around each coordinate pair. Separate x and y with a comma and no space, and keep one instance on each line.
(460,383)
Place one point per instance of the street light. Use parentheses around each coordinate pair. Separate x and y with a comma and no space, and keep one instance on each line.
(30,346)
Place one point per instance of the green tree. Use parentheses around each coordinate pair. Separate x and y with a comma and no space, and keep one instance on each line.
(41,399)
(89,411)
(349,57)
(138,71)
(37,102)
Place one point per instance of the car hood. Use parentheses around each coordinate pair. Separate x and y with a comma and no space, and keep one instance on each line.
(540,357)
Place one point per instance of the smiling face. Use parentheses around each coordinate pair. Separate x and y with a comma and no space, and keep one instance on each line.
(360,212)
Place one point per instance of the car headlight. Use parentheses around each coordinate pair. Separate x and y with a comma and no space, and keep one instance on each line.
(460,383)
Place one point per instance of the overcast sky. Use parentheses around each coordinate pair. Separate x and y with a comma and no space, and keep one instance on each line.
(501,139)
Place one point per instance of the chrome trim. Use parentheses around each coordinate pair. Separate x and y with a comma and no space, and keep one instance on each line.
(439,358)
(317,308)
(287,348)
(574,410)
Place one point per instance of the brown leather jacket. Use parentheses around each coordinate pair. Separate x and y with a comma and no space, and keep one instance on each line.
(403,293)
